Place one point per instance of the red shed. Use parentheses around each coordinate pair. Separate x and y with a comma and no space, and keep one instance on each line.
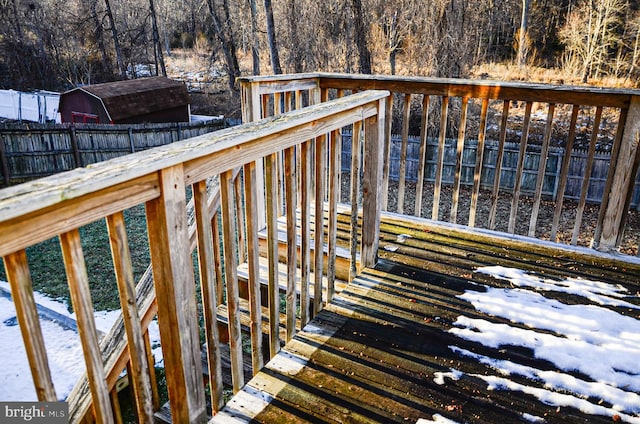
(154,99)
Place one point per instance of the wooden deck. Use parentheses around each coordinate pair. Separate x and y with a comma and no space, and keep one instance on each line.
(381,351)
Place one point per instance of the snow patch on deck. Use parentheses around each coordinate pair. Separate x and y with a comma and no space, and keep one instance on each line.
(593,339)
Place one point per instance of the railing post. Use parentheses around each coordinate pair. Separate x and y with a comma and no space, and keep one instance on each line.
(175,293)
(623,179)
(252,111)
(374,130)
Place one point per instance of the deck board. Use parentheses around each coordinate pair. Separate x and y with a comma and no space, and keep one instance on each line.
(375,353)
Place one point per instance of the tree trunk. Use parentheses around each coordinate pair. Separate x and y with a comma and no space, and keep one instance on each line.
(271,37)
(116,43)
(364,55)
(99,37)
(524,39)
(157,46)
(393,42)
(228,45)
(255,42)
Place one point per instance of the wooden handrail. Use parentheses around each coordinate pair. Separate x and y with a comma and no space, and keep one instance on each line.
(621,174)
(59,205)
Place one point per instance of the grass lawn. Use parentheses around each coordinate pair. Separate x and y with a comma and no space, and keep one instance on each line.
(47,267)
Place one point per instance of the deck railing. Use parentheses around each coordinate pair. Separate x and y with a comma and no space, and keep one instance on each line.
(159,178)
(493,112)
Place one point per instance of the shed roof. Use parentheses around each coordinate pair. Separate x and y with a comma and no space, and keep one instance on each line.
(142,96)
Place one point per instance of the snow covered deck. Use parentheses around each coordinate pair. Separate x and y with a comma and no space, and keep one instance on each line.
(480,329)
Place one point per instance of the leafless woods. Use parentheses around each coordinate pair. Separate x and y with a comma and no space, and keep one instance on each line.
(55,44)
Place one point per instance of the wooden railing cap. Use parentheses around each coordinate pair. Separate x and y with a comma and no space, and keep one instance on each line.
(32,196)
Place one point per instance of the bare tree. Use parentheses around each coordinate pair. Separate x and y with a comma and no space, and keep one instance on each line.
(157,46)
(590,33)
(224,34)
(523,41)
(271,37)
(116,42)
(360,36)
(255,41)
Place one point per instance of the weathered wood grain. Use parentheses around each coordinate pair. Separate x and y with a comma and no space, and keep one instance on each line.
(138,369)
(19,277)
(83,307)
(622,178)
(272,251)
(208,288)
(175,293)
(371,188)
(513,215)
(253,265)
(229,240)
(541,170)
(477,172)
(462,129)
(422,156)
(440,161)
(406,114)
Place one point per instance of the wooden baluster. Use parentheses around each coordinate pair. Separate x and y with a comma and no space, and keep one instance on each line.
(564,173)
(265,106)
(318,262)
(477,172)
(406,113)
(520,170)
(277,108)
(288,97)
(175,296)
(541,170)
(139,368)
(622,123)
(440,164)
(622,179)
(371,187)
(231,277)
(305,245)
(298,100)
(584,189)
(335,149)
(81,299)
(422,156)
(355,192)
(155,397)
(462,129)
(387,152)
(627,206)
(292,202)
(217,257)
(208,289)
(339,94)
(115,403)
(255,304)
(498,169)
(19,277)
(242,245)
(272,252)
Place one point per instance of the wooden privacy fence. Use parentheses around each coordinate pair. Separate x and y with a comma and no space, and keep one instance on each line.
(575,176)
(158,178)
(445,104)
(29,151)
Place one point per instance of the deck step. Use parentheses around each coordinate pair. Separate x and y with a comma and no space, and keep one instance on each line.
(343,237)
(243,279)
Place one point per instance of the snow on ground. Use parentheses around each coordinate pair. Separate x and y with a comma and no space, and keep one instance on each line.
(63,349)
(598,343)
